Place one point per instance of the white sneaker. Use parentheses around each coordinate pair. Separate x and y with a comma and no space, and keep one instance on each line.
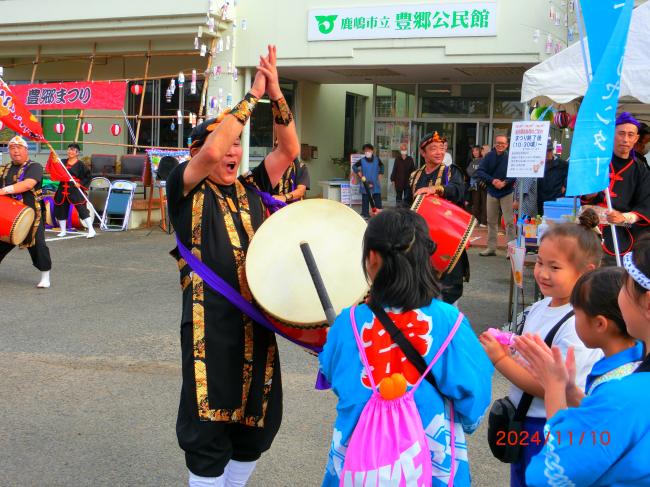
(91,233)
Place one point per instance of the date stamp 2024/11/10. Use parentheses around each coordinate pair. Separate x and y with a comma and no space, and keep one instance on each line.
(524,438)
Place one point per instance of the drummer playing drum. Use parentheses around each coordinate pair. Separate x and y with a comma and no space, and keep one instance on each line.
(434,178)
(21,180)
(231,398)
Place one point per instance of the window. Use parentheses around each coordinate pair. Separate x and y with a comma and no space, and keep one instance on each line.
(60,141)
(464,101)
(507,102)
(261,134)
(395,101)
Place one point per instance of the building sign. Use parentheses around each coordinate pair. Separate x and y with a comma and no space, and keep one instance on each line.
(100,95)
(403,21)
(527,154)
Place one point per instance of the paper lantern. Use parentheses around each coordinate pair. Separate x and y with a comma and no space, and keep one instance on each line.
(2,125)
(87,127)
(561,119)
(59,128)
(136,89)
(572,121)
(116,129)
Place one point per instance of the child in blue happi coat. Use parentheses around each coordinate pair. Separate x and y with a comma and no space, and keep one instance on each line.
(396,259)
(566,252)
(606,440)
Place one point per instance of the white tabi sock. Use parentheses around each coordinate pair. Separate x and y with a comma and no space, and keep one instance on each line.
(45,280)
(89,224)
(197,481)
(238,473)
(63,224)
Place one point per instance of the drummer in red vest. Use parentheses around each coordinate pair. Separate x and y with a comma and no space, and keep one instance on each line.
(21,180)
(435,178)
(231,397)
(69,194)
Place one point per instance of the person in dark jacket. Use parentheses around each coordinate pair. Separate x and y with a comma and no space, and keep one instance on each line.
(553,184)
(402,169)
(492,171)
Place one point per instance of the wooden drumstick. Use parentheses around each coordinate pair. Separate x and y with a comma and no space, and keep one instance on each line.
(325,302)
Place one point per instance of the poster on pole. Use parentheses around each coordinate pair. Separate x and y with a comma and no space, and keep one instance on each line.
(527,153)
(355,184)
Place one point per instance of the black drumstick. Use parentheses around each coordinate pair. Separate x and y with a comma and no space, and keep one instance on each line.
(325,302)
(371,198)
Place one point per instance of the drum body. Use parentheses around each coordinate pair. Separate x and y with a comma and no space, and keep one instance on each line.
(450,227)
(278,276)
(16,220)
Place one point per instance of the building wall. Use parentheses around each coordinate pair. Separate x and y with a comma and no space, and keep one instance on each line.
(284,22)
(321,112)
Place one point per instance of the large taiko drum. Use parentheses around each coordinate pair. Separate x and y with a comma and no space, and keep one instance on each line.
(16,220)
(278,276)
(450,227)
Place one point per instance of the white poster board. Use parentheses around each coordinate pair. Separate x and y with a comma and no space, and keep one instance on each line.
(527,153)
(355,189)
(345,194)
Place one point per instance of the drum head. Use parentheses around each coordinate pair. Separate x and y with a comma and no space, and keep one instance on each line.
(276,270)
(24,225)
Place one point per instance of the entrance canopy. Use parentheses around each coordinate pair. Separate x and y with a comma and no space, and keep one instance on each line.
(561,78)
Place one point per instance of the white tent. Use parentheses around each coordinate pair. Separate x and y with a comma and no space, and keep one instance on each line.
(561,78)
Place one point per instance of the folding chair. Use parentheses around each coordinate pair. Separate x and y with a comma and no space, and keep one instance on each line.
(98,193)
(117,211)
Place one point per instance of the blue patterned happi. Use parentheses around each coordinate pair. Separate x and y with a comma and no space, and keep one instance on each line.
(607,23)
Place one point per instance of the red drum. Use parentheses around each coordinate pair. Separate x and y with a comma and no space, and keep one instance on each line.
(278,276)
(16,220)
(450,227)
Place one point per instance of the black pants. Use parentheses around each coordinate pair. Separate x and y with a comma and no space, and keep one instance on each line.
(400,196)
(39,252)
(452,282)
(210,445)
(62,211)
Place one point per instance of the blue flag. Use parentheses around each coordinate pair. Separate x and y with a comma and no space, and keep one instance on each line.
(607,23)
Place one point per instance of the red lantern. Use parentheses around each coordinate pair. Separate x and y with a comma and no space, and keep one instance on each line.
(136,89)
(87,127)
(116,129)
(59,128)
(562,119)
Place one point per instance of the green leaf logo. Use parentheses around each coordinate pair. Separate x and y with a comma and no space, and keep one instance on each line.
(326,23)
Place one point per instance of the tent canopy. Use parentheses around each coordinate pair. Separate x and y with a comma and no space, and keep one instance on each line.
(561,78)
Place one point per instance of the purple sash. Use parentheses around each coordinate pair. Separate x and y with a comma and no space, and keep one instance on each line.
(237,300)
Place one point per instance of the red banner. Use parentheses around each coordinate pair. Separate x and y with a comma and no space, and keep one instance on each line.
(91,95)
(16,116)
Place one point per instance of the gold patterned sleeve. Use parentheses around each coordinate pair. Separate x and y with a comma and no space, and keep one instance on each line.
(244,109)
(281,112)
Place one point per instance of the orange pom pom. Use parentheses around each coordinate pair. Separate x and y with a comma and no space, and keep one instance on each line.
(399,383)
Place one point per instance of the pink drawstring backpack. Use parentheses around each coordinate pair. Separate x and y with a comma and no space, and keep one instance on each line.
(388,447)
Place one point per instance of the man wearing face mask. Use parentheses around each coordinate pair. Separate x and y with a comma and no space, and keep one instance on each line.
(371,168)
(404,166)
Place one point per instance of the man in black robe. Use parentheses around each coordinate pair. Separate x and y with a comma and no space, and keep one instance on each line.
(231,399)
(629,186)
(448,183)
(21,180)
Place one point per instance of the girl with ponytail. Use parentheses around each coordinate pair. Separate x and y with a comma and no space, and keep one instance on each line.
(404,289)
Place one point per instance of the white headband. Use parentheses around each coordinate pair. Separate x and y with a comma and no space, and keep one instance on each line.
(634,272)
(18,140)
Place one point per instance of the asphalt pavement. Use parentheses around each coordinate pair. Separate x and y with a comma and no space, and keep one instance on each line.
(90,371)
